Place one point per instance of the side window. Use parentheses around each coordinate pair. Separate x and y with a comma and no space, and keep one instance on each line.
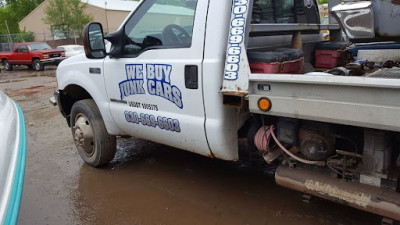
(23,49)
(160,24)
(16,48)
(285,11)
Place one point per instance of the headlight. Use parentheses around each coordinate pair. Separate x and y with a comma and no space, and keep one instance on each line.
(46,56)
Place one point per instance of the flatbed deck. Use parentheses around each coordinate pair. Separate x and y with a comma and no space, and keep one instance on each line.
(359,101)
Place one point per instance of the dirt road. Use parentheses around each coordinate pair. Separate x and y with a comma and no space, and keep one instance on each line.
(146,183)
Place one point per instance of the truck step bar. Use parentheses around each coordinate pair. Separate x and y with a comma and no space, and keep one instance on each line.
(381,201)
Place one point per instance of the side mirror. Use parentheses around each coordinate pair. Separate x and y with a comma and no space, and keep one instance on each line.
(93,41)
(117,40)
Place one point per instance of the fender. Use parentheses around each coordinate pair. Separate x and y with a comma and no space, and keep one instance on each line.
(71,73)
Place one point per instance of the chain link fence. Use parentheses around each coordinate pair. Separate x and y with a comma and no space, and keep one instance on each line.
(53,39)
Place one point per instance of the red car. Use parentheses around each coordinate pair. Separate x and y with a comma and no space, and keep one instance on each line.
(33,54)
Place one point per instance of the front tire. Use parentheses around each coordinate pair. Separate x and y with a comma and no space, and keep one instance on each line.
(95,146)
(7,66)
(37,65)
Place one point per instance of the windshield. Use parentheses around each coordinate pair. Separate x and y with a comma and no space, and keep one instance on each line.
(39,46)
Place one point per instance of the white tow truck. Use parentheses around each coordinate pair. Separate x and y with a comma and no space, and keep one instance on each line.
(200,75)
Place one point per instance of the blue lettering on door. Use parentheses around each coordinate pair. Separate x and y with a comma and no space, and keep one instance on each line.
(134,81)
(158,78)
(159,83)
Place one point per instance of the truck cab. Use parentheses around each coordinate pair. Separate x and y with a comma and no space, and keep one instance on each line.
(35,55)
(158,70)
(185,74)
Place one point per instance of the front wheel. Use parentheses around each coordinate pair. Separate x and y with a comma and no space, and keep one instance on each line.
(95,146)
(37,65)
(7,66)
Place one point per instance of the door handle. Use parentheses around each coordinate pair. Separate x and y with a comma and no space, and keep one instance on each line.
(191,77)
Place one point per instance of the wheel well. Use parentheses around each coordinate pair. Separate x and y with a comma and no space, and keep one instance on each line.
(69,96)
(33,59)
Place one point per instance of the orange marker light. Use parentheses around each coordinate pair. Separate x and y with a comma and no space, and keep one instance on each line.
(264,104)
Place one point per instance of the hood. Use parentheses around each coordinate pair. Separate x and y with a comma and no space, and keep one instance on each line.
(47,51)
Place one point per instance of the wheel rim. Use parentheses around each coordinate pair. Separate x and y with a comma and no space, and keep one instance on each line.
(6,65)
(83,135)
(37,66)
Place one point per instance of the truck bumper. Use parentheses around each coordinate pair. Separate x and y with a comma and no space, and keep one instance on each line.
(52,61)
(53,101)
(379,200)
(56,100)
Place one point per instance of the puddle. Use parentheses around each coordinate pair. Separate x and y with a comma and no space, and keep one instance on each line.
(149,183)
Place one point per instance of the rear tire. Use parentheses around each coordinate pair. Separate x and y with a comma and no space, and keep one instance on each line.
(37,65)
(95,146)
(7,66)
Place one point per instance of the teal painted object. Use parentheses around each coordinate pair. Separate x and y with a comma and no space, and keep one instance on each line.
(16,195)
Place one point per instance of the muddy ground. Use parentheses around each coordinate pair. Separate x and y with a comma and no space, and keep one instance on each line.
(146,183)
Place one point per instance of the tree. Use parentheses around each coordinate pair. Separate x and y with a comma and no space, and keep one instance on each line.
(24,37)
(14,11)
(66,15)
(22,8)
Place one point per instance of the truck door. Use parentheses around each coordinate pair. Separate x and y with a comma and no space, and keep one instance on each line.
(155,88)
(15,55)
(24,56)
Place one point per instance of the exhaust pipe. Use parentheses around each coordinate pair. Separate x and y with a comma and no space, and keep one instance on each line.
(381,201)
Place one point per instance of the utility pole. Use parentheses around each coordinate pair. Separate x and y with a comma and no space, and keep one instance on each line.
(9,39)
(105,11)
